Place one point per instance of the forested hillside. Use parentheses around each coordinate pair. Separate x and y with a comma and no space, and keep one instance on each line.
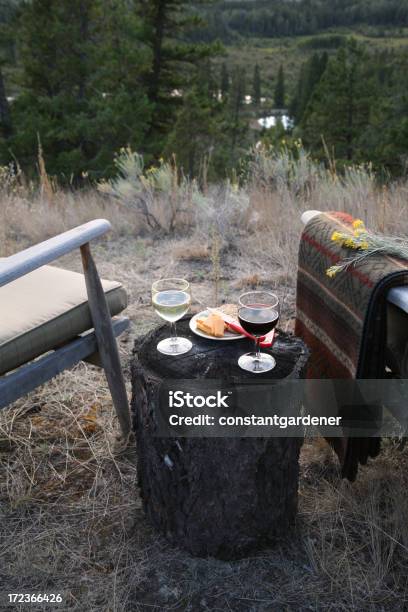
(270,18)
(81,79)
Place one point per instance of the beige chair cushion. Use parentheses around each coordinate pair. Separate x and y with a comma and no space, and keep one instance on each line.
(45,309)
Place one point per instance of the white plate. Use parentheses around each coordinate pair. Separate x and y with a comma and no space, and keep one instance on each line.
(227,335)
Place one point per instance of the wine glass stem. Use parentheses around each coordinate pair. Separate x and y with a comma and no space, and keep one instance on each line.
(173,334)
(257,352)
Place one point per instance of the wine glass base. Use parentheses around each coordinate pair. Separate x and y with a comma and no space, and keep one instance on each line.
(250,363)
(174,346)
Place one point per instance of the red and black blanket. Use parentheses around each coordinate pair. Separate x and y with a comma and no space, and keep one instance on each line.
(343,319)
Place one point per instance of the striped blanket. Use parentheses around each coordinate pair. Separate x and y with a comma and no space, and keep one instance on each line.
(343,319)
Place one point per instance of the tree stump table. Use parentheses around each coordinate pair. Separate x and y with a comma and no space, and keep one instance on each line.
(220,497)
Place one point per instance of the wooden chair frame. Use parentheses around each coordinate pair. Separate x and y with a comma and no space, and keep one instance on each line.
(101,340)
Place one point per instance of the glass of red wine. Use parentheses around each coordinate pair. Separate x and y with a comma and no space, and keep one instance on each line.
(258,313)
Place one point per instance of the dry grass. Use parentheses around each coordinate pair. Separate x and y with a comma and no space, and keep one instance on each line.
(70,513)
(25,221)
(67,495)
(191,250)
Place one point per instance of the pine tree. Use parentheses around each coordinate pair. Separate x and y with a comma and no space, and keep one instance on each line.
(280,91)
(164,21)
(205,76)
(386,139)
(55,46)
(82,88)
(55,62)
(6,126)
(256,86)
(339,109)
(225,81)
(120,116)
(194,135)
(295,106)
(310,74)
(8,27)
(237,127)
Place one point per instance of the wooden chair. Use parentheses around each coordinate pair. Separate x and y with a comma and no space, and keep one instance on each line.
(50,319)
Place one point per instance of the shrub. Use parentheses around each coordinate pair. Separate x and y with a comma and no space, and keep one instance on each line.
(166,200)
(158,195)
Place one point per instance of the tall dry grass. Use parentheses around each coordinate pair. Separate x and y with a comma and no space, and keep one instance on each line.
(283,185)
(277,188)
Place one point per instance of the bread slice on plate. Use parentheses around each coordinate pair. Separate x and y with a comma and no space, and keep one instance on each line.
(213,325)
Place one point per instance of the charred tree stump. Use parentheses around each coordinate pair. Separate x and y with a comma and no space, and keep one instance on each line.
(220,497)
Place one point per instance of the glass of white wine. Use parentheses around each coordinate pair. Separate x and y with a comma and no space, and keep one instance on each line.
(171,299)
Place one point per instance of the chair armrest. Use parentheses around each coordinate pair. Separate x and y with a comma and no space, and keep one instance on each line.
(30,259)
(308,215)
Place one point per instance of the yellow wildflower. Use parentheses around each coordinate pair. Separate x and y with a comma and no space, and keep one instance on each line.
(332,271)
(337,237)
(358,224)
(364,245)
(359,232)
(350,243)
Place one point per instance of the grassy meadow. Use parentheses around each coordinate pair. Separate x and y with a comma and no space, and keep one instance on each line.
(70,513)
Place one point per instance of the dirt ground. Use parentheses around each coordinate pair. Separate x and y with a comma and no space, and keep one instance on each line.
(71,520)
